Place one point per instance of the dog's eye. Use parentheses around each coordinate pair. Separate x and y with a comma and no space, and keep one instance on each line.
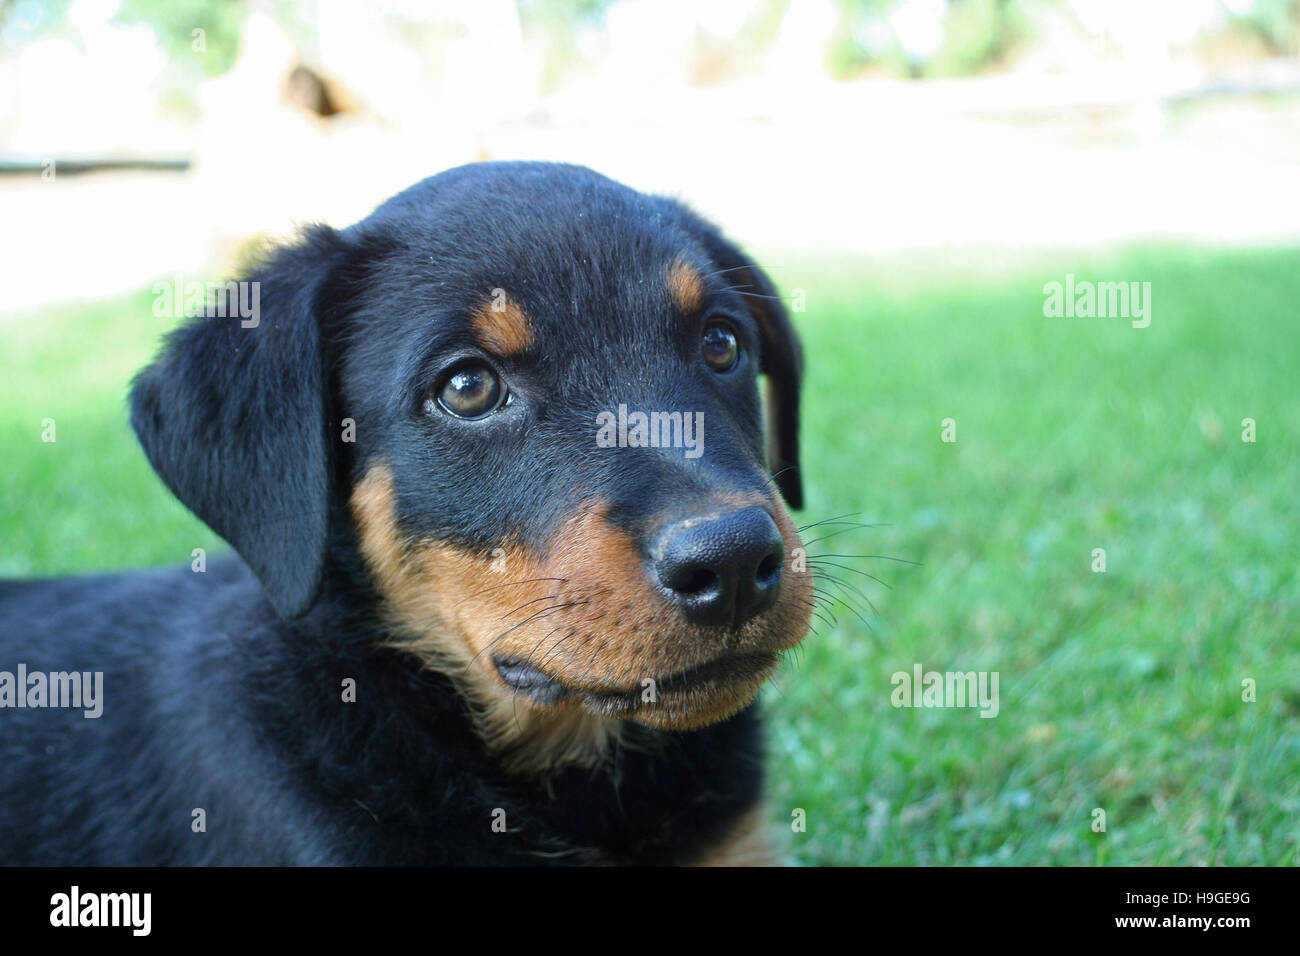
(471,391)
(719,347)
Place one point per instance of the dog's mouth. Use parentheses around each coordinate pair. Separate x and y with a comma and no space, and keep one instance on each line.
(698,695)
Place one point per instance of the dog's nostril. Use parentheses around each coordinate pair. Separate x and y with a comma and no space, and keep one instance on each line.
(769,570)
(695,581)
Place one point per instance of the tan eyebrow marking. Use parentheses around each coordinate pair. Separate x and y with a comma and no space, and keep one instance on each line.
(686,286)
(502,326)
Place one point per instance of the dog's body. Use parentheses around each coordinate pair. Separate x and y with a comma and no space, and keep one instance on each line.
(460,629)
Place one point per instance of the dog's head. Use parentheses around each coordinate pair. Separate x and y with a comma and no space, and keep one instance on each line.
(530,396)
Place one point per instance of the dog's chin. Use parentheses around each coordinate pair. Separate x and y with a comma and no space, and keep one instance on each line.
(683,701)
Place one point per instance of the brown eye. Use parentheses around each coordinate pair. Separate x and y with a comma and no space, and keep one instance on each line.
(719,347)
(472,391)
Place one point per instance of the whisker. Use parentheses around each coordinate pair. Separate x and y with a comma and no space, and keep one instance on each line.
(845,567)
(723,272)
(544,597)
(881,557)
(771,480)
(508,584)
(851,514)
(590,665)
(833,534)
(574,653)
(752,295)
(542,613)
(555,648)
(826,609)
(528,660)
(848,605)
(850,589)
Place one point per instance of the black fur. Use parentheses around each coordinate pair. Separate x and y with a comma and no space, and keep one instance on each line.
(222,689)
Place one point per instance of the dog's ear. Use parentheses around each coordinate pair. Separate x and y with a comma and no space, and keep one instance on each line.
(781,359)
(233,415)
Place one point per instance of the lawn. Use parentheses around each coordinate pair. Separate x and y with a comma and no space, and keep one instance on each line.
(1120,691)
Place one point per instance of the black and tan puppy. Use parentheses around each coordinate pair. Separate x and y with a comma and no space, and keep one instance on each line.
(511,568)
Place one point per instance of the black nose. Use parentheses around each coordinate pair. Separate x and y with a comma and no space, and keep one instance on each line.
(721,570)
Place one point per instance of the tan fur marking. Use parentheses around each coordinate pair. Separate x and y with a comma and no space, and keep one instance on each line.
(422,586)
(503,328)
(748,844)
(583,613)
(686,286)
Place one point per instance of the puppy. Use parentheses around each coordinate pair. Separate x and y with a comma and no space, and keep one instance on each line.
(512,556)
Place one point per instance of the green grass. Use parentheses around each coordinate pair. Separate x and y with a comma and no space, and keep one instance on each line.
(88,500)
(1119,691)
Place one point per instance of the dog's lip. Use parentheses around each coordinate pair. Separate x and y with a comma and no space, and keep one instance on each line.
(720,673)
(530,680)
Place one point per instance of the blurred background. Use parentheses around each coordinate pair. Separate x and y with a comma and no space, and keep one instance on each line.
(845,125)
(912,172)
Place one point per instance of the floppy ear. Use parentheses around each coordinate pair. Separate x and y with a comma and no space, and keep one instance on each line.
(781,359)
(233,415)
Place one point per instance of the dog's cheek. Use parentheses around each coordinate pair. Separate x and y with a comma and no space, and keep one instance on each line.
(429,590)
(793,612)
(604,576)
(581,604)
